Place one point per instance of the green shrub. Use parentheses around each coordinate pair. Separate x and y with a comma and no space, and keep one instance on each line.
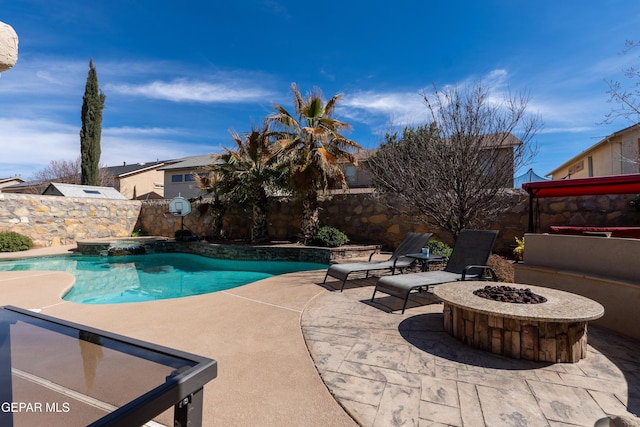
(139,232)
(436,247)
(14,242)
(329,237)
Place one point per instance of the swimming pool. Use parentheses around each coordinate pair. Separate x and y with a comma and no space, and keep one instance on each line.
(122,279)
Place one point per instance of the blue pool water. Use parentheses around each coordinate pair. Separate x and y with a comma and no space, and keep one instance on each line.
(112,280)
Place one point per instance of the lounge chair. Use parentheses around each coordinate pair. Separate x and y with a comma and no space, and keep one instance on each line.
(412,243)
(468,261)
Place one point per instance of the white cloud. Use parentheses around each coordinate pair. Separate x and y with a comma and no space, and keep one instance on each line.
(132,131)
(116,150)
(53,76)
(183,90)
(30,144)
(407,108)
(44,77)
(399,108)
(33,144)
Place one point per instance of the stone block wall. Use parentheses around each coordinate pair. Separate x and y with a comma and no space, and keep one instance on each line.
(370,218)
(602,210)
(367,218)
(54,221)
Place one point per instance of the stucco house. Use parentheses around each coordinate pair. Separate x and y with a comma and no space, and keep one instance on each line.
(360,176)
(616,154)
(139,181)
(179,175)
(7,182)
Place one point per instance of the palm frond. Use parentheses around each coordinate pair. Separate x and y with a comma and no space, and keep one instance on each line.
(298,103)
(331,104)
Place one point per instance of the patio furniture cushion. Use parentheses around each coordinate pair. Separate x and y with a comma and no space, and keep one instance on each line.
(412,243)
(467,262)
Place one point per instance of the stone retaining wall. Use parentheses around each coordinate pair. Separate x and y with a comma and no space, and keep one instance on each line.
(288,252)
(382,219)
(603,210)
(367,218)
(54,220)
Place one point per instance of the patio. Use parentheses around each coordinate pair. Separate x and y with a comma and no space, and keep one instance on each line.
(384,369)
(392,369)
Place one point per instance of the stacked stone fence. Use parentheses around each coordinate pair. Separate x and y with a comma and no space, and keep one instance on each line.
(54,220)
(367,218)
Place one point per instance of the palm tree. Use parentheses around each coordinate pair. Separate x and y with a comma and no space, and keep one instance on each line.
(211,182)
(249,173)
(311,142)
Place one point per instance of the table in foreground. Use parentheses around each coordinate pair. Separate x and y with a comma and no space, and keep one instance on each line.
(54,372)
(553,331)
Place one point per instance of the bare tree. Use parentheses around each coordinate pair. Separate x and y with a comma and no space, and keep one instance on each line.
(453,169)
(627,98)
(68,172)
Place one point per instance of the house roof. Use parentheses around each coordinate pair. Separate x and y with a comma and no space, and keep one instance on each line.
(13,178)
(74,190)
(504,140)
(192,162)
(598,144)
(133,168)
(613,184)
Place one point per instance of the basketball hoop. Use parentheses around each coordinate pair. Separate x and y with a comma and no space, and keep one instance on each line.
(179,207)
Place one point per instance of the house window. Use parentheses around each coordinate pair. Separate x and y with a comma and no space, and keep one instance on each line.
(176,178)
(91,191)
(189,177)
(576,167)
(350,174)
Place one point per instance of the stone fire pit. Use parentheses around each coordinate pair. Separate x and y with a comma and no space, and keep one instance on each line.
(551,331)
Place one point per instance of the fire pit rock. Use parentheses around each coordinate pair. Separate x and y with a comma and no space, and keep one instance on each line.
(510,294)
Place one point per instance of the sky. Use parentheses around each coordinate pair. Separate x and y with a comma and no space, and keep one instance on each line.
(178,77)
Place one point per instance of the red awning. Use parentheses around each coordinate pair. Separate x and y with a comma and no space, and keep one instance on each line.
(616,184)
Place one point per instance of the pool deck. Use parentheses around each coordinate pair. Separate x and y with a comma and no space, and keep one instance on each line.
(276,340)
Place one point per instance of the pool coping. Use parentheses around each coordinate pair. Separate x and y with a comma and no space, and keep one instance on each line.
(239,251)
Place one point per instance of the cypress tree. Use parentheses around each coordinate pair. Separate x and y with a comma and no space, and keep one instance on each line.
(92,106)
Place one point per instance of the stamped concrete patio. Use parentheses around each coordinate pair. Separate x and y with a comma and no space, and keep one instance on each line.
(375,368)
(388,369)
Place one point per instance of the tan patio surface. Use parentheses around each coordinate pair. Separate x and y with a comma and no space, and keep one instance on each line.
(383,368)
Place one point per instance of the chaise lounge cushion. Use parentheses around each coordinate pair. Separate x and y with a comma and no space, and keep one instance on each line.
(410,244)
(468,261)
(400,286)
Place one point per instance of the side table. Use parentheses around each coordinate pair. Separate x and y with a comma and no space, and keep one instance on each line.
(426,259)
